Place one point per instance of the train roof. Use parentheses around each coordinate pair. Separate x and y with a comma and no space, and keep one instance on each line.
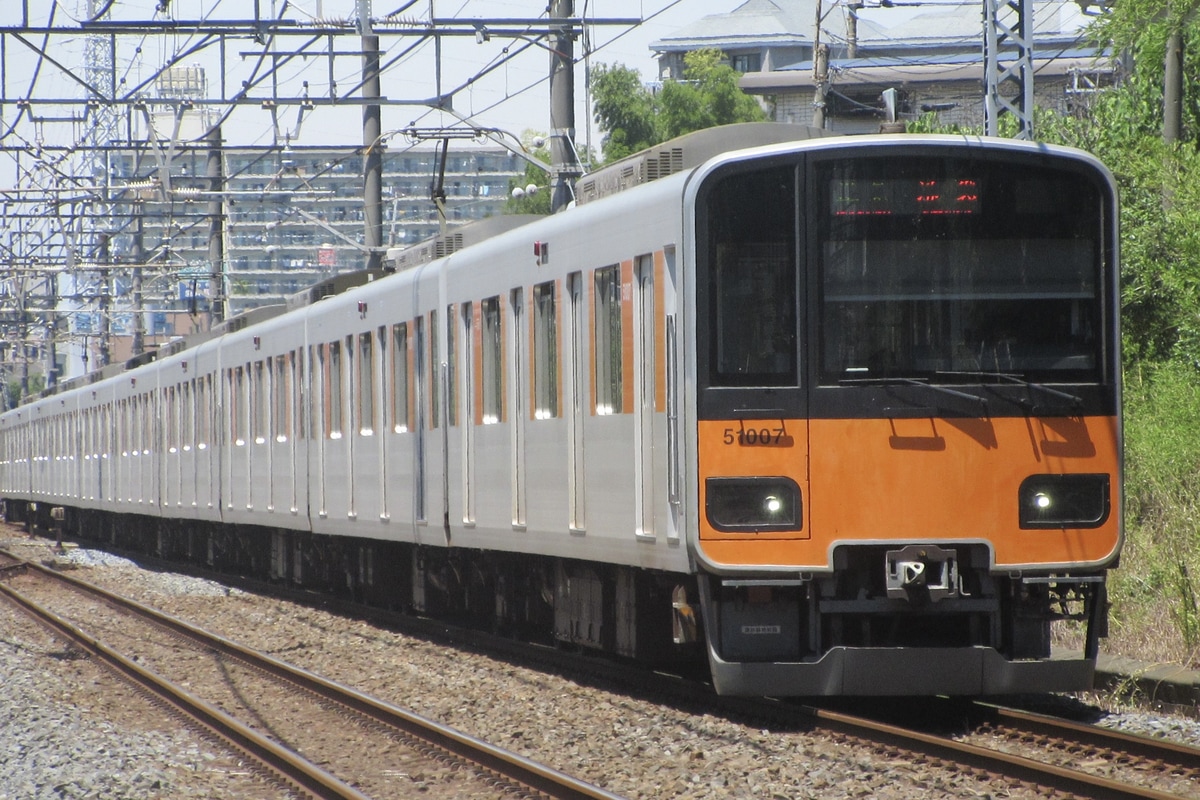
(687,152)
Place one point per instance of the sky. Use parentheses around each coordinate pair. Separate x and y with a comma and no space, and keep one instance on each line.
(501,99)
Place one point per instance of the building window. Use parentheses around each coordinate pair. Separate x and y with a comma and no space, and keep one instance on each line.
(746,62)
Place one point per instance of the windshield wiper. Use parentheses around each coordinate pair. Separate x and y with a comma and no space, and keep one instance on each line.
(900,381)
(1074,400)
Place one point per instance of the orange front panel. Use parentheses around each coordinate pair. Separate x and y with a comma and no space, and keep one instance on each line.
(913,480)
(747,448)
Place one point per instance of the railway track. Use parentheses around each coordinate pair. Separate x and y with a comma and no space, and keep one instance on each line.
(1000,747)
(1067,758)
(253,703)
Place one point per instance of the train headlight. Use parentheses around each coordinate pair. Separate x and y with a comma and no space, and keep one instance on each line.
(753,505)
(1064,501)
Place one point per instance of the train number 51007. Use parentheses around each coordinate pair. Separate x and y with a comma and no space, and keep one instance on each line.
(773,436)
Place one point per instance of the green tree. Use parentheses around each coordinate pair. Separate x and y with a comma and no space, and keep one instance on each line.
(1142,29)
(624,109)
(537,202)
(633,118)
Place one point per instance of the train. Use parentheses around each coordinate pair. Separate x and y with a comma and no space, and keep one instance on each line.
(837,415)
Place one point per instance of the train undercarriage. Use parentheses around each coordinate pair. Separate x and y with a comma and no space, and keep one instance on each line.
(917,620)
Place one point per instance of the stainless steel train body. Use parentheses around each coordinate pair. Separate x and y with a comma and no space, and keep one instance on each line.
(652,421)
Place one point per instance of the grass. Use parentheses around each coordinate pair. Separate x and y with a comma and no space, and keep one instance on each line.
(1155,614)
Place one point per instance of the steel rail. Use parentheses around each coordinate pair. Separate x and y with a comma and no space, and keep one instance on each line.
(511,766)
(1064,779)
(282,762)
(1144,747)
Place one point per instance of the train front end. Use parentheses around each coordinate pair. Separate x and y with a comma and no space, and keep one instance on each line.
(907,439)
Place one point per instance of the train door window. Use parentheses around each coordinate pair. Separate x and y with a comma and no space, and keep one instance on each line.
(520,400)
(260,391)
(451,368)
(238,394)
(492,357)
(576,405)
(366,385)
(609,380)
(466,331)
(315,409)
(297,396)
(471,408)
(203,387)
(400,422)
(333,384)
(172,429)
(545,352)
(435,369)
(281,393)
(188,418)
(420,376)
(644,391)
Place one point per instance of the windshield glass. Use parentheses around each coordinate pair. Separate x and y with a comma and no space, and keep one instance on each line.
(942,267)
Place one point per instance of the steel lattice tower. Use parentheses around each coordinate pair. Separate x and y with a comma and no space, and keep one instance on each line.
(1008,87)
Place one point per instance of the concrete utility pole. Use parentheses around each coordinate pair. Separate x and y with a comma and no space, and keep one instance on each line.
(372,141)
(564,161)
(215,173)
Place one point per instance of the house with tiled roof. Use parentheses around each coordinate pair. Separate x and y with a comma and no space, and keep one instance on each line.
(931,57)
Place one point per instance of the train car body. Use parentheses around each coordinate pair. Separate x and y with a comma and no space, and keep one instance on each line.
(842,411)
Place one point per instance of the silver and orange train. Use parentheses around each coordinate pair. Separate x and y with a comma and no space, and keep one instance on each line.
(842,412)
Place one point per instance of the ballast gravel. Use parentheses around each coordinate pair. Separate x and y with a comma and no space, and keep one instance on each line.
(68,729)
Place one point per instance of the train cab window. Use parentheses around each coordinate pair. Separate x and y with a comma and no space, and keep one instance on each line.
(948,268)
(400,422)
(609,344)
(493,362)
(545,352)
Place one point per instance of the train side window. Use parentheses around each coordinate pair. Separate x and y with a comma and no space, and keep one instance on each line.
(545,352)
(493,362)
(400,377)
(366,385)
(609,378)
